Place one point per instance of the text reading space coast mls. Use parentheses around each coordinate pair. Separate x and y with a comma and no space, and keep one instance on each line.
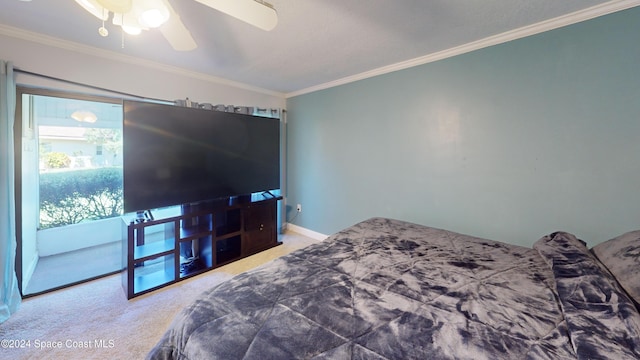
(58,344)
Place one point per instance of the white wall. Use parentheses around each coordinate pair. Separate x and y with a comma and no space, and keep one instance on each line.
(79,236)
(118,73)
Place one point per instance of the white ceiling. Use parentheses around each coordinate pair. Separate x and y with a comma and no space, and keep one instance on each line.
(316,42)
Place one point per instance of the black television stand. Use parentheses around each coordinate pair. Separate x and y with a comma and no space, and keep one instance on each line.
(215,232)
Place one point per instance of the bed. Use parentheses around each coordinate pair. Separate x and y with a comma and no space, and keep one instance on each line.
(389,289)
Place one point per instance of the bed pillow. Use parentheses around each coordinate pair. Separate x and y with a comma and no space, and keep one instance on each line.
(602,320)
(621,255)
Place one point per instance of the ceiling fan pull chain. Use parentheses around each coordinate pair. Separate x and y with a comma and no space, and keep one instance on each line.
(103,30)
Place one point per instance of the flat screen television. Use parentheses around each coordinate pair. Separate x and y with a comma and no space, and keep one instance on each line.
(176,155)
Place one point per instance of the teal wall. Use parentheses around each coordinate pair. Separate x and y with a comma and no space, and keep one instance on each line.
(510,142)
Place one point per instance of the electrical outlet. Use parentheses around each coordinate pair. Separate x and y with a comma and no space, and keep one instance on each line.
(299,208)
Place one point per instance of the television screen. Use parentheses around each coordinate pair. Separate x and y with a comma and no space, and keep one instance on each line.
(177,155)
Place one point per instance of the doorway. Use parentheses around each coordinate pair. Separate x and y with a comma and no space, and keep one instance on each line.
(70,191)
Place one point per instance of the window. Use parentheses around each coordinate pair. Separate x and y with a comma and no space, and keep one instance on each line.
(74,185)
(45,147)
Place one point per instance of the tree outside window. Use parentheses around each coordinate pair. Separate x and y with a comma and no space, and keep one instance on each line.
(80,163)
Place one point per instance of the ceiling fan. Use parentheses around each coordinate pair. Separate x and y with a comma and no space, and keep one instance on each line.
(137,15)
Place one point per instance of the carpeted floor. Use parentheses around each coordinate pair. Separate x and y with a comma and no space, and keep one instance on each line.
(95,321)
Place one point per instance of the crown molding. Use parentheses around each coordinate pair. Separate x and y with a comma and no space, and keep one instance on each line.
(551,24)
(537,28)
(114,56)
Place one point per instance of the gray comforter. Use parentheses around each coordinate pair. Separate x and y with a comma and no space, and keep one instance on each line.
(387,289)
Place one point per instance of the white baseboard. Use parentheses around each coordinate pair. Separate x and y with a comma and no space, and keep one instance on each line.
(306,232)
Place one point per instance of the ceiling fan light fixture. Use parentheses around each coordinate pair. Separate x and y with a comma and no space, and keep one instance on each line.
(93,7)
(133,16)
(153,18)
(128,22)
(131,30)
(116,6)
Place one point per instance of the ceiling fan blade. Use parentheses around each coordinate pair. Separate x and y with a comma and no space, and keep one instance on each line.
(255,12)
(176,33)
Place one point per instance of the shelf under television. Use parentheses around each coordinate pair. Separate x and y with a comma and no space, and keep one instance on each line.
(225,231)
(228,235)
(148,282)
(153,249)
(195,232)
(184,275)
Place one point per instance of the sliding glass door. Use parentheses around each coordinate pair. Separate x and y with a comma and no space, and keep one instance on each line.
(71,188)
